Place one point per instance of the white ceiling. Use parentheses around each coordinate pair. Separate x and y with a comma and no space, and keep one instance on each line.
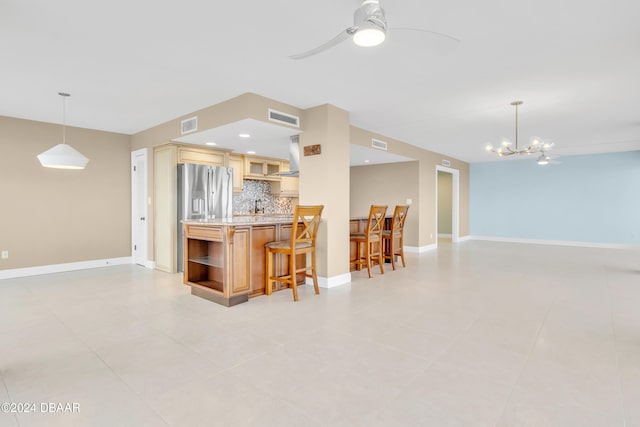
(132,65)
(270,140)
(265,139)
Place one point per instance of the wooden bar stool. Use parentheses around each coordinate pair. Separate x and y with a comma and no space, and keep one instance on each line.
(372,237)
(396,233)
(304,230)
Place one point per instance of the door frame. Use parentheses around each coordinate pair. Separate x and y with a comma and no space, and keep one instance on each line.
(455,202)
(142,249)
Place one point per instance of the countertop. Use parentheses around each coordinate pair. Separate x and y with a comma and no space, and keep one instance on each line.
(244,220)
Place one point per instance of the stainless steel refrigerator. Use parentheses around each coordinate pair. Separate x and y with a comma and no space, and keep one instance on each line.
(204,192)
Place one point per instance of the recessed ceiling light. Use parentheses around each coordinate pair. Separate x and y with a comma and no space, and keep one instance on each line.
(244,135)
(211,143)
(366,161)
(251,152)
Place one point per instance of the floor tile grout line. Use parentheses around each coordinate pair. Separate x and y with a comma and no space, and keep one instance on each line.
(526,362)
(85,344)
(437,357)
(15,414)
(615,346)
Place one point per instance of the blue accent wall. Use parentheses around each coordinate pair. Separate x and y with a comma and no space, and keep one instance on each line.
(590,198)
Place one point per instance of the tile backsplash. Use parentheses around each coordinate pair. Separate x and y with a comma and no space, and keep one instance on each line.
(245,202)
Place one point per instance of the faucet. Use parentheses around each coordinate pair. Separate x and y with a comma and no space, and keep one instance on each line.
(256,209)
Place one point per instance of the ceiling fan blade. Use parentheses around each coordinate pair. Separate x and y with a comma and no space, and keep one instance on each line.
(442,43)
(344,35)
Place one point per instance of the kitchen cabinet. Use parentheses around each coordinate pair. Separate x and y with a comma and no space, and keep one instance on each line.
(200,156)
(165,232)
(260,236)
(225,259)
(237,164)
(217,263)
(261,168)
(287,186)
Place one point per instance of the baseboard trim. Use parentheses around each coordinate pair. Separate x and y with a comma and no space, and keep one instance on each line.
(420,249)
(554,242)
(445,236)
(61,268)
(464,238)
(150,264)
(331,282)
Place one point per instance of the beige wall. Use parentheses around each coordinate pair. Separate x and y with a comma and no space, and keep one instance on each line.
(427,161)
(53,216)
(388,184)
(445,202)
(324,181)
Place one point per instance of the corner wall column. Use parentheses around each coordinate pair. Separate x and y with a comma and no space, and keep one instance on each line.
(324,180)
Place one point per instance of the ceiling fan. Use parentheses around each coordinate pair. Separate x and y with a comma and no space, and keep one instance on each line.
(369,29)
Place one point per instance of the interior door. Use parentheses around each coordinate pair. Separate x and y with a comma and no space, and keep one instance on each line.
(139,206)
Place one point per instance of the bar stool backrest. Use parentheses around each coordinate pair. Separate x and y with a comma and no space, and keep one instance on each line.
(399,216)
(376,221)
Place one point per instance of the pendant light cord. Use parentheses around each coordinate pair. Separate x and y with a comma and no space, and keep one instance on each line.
(516,127)
(64,115)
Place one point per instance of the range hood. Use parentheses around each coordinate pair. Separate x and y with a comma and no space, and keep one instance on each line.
(294,157)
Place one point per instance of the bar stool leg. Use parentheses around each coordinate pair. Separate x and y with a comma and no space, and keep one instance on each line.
(292,274)
(392,251)
(313,272)
(268,273)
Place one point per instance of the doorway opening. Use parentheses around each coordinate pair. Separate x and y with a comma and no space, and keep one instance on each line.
(139,211)
(447,202)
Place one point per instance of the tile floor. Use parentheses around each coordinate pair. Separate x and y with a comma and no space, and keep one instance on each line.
(473,334)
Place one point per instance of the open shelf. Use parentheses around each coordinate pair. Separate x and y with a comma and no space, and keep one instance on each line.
(208,261)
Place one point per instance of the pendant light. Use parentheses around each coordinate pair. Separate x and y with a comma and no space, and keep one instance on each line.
(63,156)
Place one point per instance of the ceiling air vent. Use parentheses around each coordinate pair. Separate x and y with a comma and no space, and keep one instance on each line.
(189,125)
(284,118)
(380,145)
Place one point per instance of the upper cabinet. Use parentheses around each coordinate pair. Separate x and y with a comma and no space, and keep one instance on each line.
(236,163)
(200,156)
(262,168)
(287,186)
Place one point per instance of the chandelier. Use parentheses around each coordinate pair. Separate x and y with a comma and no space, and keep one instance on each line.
(536,145)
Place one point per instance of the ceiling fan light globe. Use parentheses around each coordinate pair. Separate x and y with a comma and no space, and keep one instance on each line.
(368,37)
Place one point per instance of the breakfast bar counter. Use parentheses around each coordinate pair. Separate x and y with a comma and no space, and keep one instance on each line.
(224,259)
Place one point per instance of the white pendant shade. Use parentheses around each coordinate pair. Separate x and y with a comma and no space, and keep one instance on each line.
(63,156)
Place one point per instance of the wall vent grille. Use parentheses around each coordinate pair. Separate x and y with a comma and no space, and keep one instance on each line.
(380,145)
(284,118)
(189,125)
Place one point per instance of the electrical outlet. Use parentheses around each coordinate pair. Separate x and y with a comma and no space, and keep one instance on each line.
(431,235)
(5,254)
(409,201)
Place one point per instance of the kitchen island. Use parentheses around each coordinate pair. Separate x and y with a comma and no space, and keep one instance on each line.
(224,259)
